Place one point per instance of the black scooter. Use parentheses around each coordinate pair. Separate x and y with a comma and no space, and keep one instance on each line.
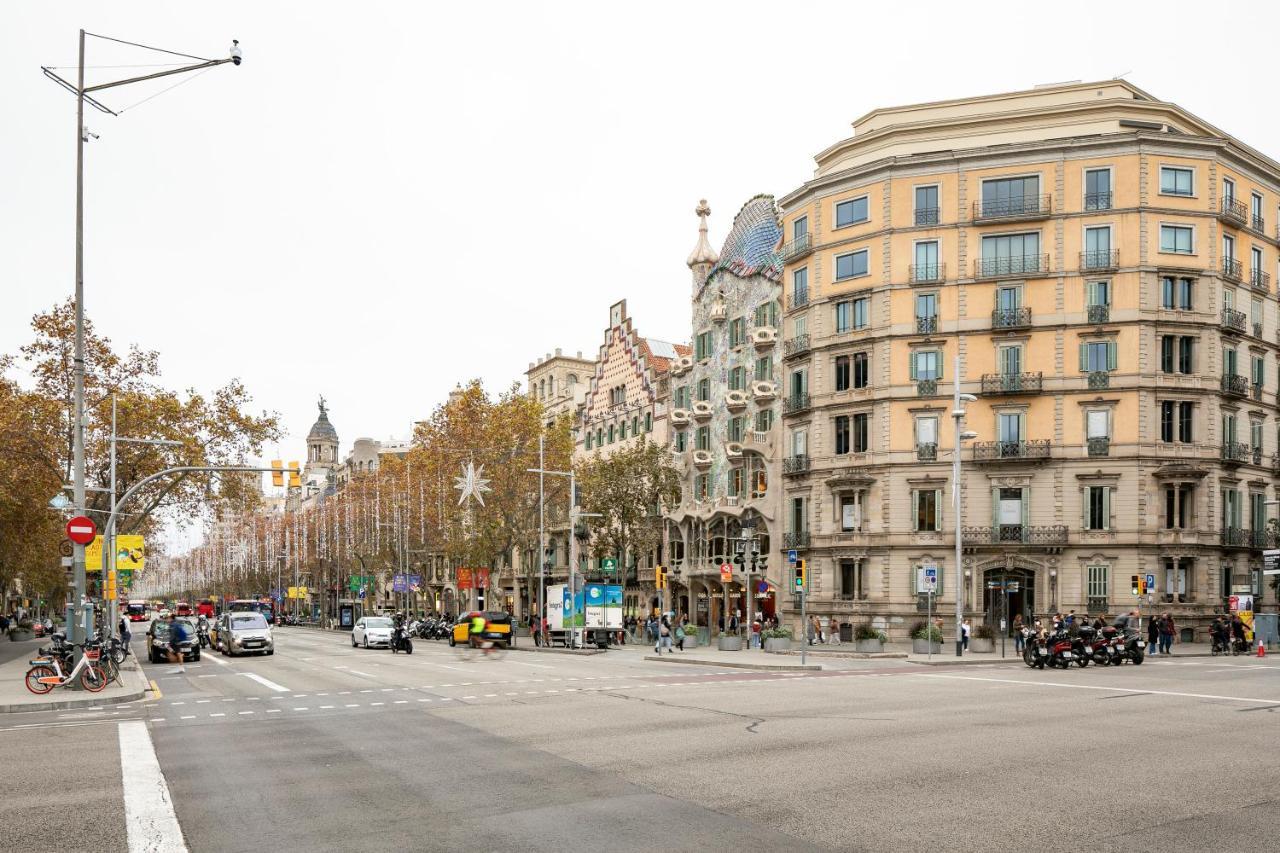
(400,641)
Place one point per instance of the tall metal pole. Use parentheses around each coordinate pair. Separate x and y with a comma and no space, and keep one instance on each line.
(573,557)
(77,633)
(957,414)
(542,534)
(109,535)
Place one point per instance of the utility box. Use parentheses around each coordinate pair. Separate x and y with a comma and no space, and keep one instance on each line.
(1266,628)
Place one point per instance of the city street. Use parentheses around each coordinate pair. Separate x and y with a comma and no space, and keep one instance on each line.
(326,747)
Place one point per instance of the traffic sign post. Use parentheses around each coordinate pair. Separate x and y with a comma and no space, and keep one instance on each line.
(726,572)
(81,530)
(608,565)
(1271,561)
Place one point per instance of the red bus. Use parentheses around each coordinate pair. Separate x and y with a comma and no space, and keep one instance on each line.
(205,608)
(183,609)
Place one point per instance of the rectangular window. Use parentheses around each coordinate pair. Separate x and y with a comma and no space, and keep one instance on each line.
(851,212)
(635,425)
(1098,293)
(926,262)
(1229,361)
(1097,508)
(648,421)
(851,512)
(851,580)
(622,431)
(1186,346)
(851,265)
(737,426)
(800,287)
(1231,510)
(767,314)
(1010,360)
(1228,247)
(1098,586)
(1011,196)
(612,434)
(1098,423)
(1009,426)
(1177,506)
(1257,371)
(926,307)
(703,440)
(1011,253)
(842,434)
(588,441)
(701,487)
(925,509)
(1097,246)
(737,331)
(764,420)
(1097,189)
(844,317)
(1168,292)
(735,482)
(764,369)
(1179,239)
(1168,347)
(799,442)
(703,346)
(1176,181)
(799,517)
(1097,356)
(842,373)
(1228,190)
(680,397)
(861,309)
(1186,410)
(1255,435)
(861,434)
(737,378)
(927,430)
(1167,414)
(1255,211)
(704,389)
(861,370)
(1185,293)
(925,364)
(800,227)
(926,205)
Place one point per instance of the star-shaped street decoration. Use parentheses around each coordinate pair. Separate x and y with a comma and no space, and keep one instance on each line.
(472,484)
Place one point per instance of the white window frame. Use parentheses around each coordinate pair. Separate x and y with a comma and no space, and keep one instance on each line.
(1180,167)
(835,216)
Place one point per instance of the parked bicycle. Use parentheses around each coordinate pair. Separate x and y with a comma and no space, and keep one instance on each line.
(48,672)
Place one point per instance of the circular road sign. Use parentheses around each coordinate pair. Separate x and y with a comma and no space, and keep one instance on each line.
(81,530)
(65,548)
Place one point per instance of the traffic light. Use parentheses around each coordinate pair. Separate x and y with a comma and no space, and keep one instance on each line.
(295,476)
(660,577)
(762,563)
(741,561)
(277,472)
(800,576)
(1142,585)
(1137,584)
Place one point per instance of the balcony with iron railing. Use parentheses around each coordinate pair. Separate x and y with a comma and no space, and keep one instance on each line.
(1260,280)
(1097,201)
(1255,390)
(926,273)
(1099,314)
(1010,267)
(927,451)
(1099,445)
(799,345)
(1258,223)
(1232,269)
(797,464)
(1017,207)
(1103,259)
(1235,453)
(926,325)
(1257,330)
(1099,380)
(797,248)
(926,216)
(1234,321)
(794,403)
(1015,534)
(1002,451)
(799,297)
(1233,211)
(926,387)
(1261,539)
(796,540)
(1012,383)
(1011,318)
(1233,537)
(1235,384)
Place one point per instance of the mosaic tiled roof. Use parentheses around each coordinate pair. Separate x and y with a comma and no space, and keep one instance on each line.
(752,245)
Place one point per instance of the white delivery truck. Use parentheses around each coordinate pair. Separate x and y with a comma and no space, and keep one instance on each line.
(593,612)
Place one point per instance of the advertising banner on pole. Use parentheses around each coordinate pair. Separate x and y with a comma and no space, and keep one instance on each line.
(464,578)
(1242,606)
(130,554)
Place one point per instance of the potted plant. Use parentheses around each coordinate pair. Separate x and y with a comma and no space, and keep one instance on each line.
(926,639)
(690,637)
(21,630)
(776,639)
(983,639)
(729,642)
(867,639)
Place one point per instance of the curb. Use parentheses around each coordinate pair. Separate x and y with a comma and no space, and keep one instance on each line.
(968,662)
(64,704)
(554,651)
(847,655)
(760,667)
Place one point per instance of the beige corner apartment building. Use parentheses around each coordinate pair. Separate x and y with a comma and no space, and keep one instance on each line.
(1102,262)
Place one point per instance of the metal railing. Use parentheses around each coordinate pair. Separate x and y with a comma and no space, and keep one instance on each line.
(988,451)
(800,297)
(1018,207)
(1010,318)
(795,402)
(1100,446)
(1099,379)
(1011,266)
(1260,539)
(1232,269)
(1260,279)
(801,245)
(795,540)
(1234,210)
(926,273)
(927,451)
(1257,330)
(926,216)
(1258,223)
(795,346)
(1016,534)
(797,464)
(1234,383)
(1099,313)
(1097,201)
(926,325)
(1255,390)
(927,387)
(1234,537)
(1012,383)
(1235,452)
(1234,320)
(1106,259)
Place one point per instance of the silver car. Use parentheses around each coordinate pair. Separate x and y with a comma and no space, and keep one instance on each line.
(244,632)
(372,631)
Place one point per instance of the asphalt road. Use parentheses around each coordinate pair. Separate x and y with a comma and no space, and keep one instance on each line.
(326,747)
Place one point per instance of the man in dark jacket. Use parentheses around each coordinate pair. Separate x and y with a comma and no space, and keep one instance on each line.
(1153,636)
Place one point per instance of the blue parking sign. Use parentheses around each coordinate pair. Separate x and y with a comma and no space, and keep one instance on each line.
(793,556)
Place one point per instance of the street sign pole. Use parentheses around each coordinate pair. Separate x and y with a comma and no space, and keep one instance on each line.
(804,624)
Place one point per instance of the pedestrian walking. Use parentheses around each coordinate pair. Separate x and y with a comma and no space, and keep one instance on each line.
(833,631)
(680,637)
(1166,634)
(965,630)
(1153,635)
(664,636)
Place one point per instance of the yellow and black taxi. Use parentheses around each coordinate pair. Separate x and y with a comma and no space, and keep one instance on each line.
(497,628)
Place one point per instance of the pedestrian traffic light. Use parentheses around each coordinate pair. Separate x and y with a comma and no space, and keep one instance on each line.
(1137,588)
(800,576)
(295,476)
(277,472)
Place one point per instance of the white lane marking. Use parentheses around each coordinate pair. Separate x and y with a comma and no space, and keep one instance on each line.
(219,661)
(468,697)
(208,675)
(157,720)
(177,703)
(372,704)
(253,699)
(354,705)
(242,713)
(302,709)
(400,702)
(267,683)
(188,717)
(1098,687)
(446,698)
(358,672)
(148,808)
(538,665)
(325,707)
(203,701)
(273,710)
(217,715)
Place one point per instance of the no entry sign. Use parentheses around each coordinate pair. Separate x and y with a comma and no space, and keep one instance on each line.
(81,530)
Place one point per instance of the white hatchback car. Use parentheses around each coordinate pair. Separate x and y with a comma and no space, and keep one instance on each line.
(372,631)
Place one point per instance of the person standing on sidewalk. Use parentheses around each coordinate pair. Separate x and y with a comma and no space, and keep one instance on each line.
(1166,634)
(1153,635)
(965,629)
(664,635)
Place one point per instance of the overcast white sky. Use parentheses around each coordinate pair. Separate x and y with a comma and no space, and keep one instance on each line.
(389,198)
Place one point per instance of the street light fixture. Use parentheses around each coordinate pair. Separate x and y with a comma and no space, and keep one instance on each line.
(961,435)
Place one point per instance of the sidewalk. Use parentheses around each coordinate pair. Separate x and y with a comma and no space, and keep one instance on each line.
(15,697)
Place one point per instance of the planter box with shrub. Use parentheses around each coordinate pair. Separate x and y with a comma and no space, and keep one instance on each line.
(868,640)
(983,639)
(776,639)
(926,639)
(729,643)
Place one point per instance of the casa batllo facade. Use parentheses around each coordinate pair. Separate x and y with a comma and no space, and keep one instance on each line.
(1102,263)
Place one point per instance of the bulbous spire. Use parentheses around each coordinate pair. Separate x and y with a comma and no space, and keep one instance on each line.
(702,253)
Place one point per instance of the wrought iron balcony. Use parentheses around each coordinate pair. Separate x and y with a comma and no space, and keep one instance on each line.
(1011,318)
(1100,446)
(797,248)
(794,403)
(1256,453)
(1260,279)
(1233,211)
(797,464)
(1258,223)
(926,273)
(1099,314)
(927,451)
(1255,390)
(1232,269)
(1234,537)
(1099,379)
(1235,384)
(1097,201)
(1107,259)
(1233,320)
(799,345)
(1018,207)
(998,451)
(1015,534)
(1015,265)
(1257,330)
(1260,539)
(926,216)
(1235,453)
(795,540)
(1012,383)
(926,325)
(927,387)
(800,297)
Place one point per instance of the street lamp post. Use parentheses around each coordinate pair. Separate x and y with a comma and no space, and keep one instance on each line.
(79,632)
(957,413)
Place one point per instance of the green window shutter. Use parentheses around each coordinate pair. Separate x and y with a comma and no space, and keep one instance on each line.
(1026,509)
(915,510)
(1084,363)
(1111,355)
(1084,509)
(915,571)
(912,366)
(1106,508)
(937,504)
(995,507)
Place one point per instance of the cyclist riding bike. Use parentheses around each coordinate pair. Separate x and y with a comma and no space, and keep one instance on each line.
(475,633)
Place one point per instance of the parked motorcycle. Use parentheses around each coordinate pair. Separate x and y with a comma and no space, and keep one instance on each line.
(1035,652)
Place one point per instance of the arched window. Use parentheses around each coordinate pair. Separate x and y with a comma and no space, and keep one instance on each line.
(573,380)
(551,386)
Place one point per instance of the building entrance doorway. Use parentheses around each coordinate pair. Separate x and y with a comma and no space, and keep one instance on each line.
(1006,593)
